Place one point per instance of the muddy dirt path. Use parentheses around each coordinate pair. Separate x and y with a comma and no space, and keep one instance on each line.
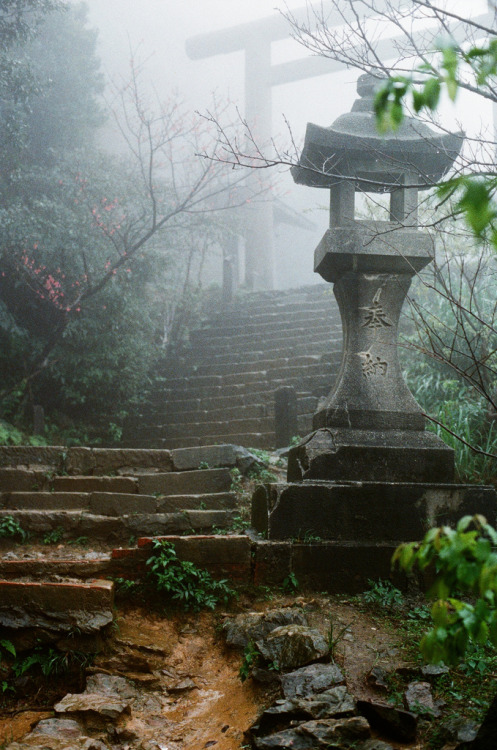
(191,695)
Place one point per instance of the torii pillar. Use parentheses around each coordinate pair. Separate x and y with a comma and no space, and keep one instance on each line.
(255,39)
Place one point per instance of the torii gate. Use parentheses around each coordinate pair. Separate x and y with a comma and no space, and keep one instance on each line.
(255,39)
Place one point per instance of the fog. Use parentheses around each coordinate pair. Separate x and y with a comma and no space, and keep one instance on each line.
(155,33)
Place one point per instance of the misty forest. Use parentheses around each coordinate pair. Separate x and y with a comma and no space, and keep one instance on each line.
(248,428)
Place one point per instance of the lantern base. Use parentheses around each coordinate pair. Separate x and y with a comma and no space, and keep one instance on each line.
(337,454)
(360,512)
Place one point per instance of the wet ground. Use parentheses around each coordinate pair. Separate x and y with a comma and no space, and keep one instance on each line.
(193,697)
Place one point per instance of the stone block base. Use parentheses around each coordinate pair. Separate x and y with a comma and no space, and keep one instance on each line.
(374,512)
(334,455)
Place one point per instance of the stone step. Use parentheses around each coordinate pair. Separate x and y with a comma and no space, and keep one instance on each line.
(263,400)
(202,481)
(224,455)
(245,377)
(33,462)
(163,416)
(337,567)
(247,411)
(223,556)
(115,504)
(321,339)
(301,382)
(96,565)
(277,363)
(306,311)
(230,427)
(94,484)
(74,524)
(250,440)
(252,356)
(212,501)
(247,328)
(175,429)
(13,478)
(107,461)
(56,606)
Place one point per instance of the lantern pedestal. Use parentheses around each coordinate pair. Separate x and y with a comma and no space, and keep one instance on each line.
(370,426)
(358,513)
(369,476)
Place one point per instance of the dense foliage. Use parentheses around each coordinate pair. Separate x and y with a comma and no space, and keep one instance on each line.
(98,253)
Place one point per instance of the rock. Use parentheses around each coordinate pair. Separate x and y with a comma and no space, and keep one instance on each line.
(331,703)
(395,723)
(323,733)
(433,670)
(420,700)
(57,606)
(58,734)
(337,730)
(265,676)
(459,730)
(377,678)
(314,678)
(254,625)
(374,745)
(107,695)
(278,718)
(293,646)
(183,686)
(111,685)
(288,738)
(106,706)
(124,663)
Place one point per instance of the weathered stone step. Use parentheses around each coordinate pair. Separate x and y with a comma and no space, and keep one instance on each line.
(164,416)
(230,427)
(56,606)
(175,429)
(75,524)
(212,501)
(265,349)
(333,566)
(320,338)
(65,489)
(305,311)
(339,567)
(47,568)
(253,356)
(94,484)
(261,399)
(45,460)
(115,504)
(315,323)
(261,364)
(286,372)
(300,382)
(250,440)
(12,478)
(200,481)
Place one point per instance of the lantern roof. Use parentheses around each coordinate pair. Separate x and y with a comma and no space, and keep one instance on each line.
(353,148)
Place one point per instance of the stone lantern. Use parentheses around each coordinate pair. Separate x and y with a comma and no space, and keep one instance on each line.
(370,426)
(369,473)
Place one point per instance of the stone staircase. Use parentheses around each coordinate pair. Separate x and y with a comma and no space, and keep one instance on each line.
(101,510)
(111,495)
(222,389)
(76,509)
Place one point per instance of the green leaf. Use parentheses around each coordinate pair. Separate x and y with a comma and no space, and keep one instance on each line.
(8,646)
(431,92)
